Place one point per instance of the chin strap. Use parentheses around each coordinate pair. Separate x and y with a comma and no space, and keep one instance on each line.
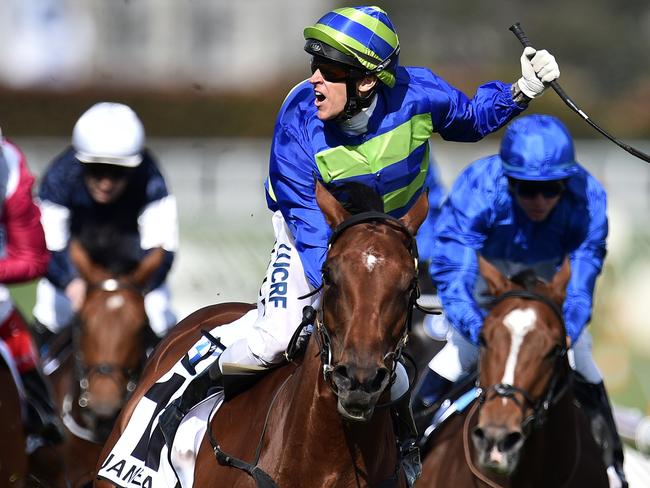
(355,103)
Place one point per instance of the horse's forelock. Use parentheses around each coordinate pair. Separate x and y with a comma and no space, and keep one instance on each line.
(111,248)
(527,279)
(358,198)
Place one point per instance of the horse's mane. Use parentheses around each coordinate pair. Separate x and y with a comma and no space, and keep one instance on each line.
(527,279)
(358,198)
(111,248)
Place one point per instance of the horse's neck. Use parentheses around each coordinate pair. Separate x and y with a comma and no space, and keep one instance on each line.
(319,431)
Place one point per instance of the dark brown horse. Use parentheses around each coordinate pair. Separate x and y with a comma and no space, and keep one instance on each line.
(104,359)
(318,423)
(525,430)
(13,459)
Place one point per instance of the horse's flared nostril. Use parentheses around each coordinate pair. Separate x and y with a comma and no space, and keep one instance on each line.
(379,381)
(478,438)
(342,378)
(511,442)
(504,440)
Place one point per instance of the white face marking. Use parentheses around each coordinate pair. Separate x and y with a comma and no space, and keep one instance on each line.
(114,301)
(519,323)
(371,260)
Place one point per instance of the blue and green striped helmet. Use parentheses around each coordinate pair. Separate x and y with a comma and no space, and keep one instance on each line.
(363,37)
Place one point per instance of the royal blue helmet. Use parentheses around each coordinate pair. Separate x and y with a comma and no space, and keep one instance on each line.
(537,148)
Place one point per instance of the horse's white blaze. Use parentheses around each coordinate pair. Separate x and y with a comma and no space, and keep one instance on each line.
(114,301)
(519,323)
(371,260)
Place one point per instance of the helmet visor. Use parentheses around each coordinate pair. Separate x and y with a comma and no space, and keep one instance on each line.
(333,71)
(109,171)
(531,189)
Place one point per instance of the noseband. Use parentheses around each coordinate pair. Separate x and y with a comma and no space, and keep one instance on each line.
(554,391)
(323,336)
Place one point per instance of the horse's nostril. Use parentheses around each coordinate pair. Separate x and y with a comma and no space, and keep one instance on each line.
(379,379)
(511,441)
(341,370)
(478,436)
(342,377)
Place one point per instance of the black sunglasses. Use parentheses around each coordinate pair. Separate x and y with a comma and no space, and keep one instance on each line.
(110,171)
(530,189)
(331,71)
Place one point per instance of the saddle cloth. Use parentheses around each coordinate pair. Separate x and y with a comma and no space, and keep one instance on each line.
(140,457)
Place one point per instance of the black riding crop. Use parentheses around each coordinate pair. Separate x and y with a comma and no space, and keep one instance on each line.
(523,38)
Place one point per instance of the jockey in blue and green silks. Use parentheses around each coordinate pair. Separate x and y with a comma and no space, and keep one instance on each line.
(359,118)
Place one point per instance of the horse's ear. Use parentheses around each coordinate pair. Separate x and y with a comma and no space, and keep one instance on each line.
(147,267)
(496,282)
(417,213)
(560,282)
(331,207)
(87,269)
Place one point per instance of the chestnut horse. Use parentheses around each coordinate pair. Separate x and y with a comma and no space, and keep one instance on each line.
(103,362)
(525,429)
(317,422)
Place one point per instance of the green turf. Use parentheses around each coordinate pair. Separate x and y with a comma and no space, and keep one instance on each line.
(24,296)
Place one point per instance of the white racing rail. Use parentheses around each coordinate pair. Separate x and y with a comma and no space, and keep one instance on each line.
(634,427)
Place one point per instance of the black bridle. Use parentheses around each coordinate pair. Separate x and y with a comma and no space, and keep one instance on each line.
(323,336)
(554,390)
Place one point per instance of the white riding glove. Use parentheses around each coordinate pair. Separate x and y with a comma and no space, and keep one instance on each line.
(537,71)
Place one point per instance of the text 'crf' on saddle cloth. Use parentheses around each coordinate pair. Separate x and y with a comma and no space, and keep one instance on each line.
(141,457)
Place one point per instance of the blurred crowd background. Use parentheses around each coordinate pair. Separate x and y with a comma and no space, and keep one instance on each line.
(207,77)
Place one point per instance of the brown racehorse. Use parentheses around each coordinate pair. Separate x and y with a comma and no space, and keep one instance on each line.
(106,357)
(525,430)
(13,459)
(318,423)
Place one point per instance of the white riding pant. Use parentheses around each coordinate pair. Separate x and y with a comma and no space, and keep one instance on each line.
(53,308)
(459,356)
(260,339)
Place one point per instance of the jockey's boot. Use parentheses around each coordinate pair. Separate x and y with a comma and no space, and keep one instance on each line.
(42,421)
(199,388)
(42,336)
(407,436)
(431,391)
(596,405)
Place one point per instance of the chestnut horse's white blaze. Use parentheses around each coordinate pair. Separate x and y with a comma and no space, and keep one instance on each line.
(371,260)
(114,302)
(519,322)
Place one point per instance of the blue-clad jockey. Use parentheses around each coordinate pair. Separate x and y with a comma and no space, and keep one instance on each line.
(525,208)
